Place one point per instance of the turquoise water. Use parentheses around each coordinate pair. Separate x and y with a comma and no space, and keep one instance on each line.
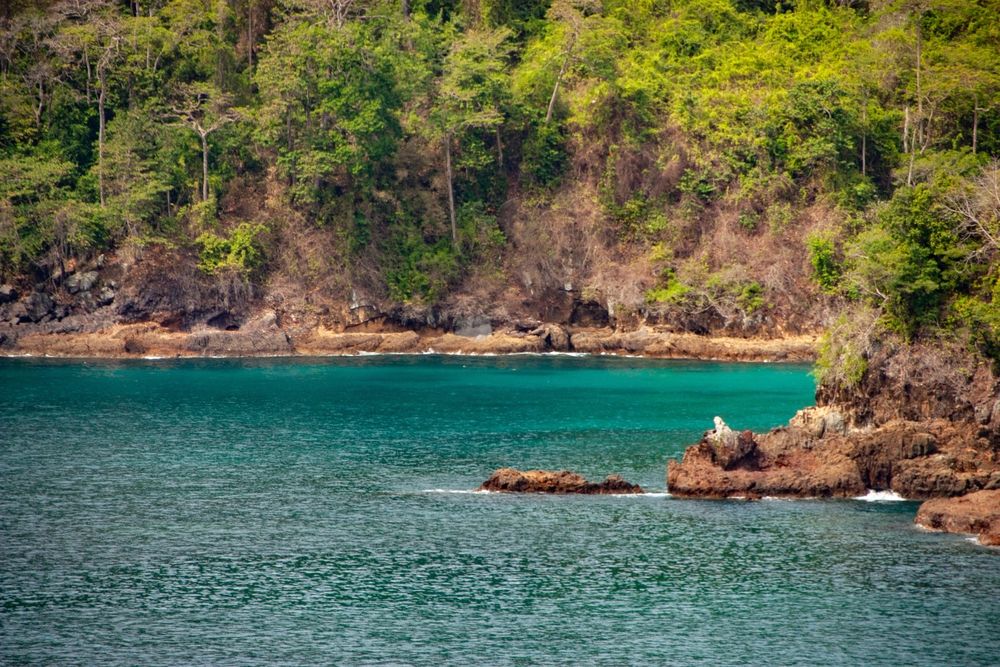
(307,511)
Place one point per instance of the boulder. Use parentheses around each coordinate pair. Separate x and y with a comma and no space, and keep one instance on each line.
(975,513)
(471,327)
(38,307)
(7,294)
(511,480)
(553,336)
(81,282)
(105,296)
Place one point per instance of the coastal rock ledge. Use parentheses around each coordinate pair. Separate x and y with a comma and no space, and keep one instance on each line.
(975,513)
(511,480)
(819,455)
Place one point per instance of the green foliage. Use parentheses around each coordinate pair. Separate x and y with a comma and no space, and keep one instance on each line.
(840,363)
(779,217)
(241,252)
(328,106)
(823,258)
(670,290)
(544,157)
(748,221)
(417,271)
(371,123)
(751,297)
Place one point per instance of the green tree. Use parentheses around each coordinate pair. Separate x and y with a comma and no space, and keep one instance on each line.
(474,89)
(328,106)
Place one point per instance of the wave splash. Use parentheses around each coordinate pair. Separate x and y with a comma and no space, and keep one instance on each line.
(874,496)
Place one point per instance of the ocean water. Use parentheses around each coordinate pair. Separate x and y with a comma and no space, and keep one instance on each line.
(319,512)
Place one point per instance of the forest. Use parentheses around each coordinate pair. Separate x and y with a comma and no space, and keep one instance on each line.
(724,165)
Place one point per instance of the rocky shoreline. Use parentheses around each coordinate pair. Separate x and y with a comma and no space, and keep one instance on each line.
(975,514)
(817,455)
(262,337)
(953,466)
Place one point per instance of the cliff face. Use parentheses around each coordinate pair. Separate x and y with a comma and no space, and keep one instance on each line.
(160,303)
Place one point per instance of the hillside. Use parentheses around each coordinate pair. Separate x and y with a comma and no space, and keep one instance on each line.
(741,168)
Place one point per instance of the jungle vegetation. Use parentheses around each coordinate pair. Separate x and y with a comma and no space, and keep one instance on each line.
(403,127)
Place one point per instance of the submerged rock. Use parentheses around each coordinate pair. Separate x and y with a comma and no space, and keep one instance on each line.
(975,513)
(512,480)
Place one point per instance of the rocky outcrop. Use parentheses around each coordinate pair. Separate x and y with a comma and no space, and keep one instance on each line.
(921,422)
(816,456)
(976,513)
(647,341)
(511,480)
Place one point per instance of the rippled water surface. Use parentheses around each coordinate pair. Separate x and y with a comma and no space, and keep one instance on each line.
(307,511)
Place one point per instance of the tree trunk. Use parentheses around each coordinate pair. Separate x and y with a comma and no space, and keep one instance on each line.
(864,135)
(250,34)
(975,122)
(204,164)
(451,190)
(906,129)
(913,154)
(555,88)
(499,148)
(864,151)
(406,9)
(86,61)
(101,78)
(918,129)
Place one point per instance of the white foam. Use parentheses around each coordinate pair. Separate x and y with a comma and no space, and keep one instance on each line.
(458,491)
(646,494)
(874,496)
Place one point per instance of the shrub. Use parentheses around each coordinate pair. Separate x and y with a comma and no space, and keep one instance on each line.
(844,349)
(241,252)
(823,258)
(544,158)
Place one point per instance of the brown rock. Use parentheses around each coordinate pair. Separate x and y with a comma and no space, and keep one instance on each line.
(815,456)
(511,480)
(975,513)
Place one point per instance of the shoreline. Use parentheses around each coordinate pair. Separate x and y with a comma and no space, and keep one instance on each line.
(151,341)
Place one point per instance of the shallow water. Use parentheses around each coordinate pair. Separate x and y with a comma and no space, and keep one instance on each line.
(309,511)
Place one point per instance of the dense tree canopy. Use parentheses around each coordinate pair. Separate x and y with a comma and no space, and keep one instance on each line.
(404,127)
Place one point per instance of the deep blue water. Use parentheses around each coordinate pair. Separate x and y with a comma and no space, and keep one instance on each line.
(304,512)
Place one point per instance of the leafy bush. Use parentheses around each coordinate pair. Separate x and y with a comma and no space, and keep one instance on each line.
(843,350)
(823,258)
(241,251)
(544,156)
(751,297)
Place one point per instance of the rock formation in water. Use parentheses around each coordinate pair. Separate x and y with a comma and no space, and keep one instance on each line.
(925,427)
(975,513)
(817,455)
(511,480)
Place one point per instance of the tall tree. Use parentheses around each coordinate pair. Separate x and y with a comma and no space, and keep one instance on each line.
(204,109)
(474,87)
